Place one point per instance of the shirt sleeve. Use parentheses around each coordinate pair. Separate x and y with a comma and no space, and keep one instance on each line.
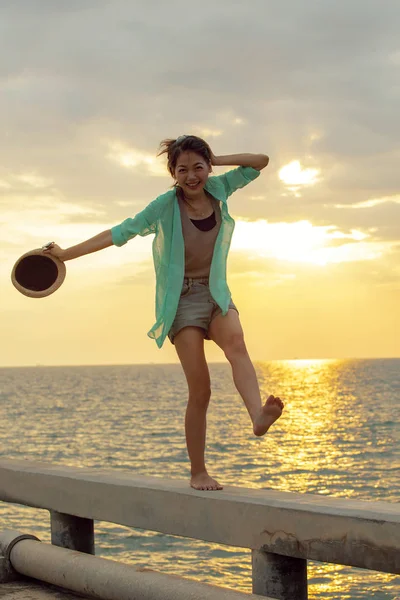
(141,224)
(237,178)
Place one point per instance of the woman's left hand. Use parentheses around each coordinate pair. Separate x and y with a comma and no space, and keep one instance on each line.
(214,159)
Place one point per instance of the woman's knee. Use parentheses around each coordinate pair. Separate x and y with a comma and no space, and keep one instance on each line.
(200,395)
(235,346)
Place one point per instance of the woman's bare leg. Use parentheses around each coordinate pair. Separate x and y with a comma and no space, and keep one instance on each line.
(226,331)
(189,344)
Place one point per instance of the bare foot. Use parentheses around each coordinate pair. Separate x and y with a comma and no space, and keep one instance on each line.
(269,413)
(202,481)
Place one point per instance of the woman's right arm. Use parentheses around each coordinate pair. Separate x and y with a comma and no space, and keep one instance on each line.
(142,224)
(98,242)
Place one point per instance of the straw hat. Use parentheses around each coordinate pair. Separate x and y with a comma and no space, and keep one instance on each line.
(37,275)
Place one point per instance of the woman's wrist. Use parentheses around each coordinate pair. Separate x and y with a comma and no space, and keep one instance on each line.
(66,254)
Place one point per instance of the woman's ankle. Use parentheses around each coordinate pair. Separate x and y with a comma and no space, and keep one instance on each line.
(198,471)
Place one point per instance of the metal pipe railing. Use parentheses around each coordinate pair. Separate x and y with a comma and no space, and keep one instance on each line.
(103,578)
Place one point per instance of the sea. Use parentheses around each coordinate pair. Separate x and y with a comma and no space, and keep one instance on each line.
(338,436)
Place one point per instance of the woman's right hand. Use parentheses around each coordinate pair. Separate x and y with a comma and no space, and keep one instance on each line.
(55,250)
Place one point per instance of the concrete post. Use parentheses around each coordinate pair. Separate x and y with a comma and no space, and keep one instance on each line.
(281,577)
(72,532)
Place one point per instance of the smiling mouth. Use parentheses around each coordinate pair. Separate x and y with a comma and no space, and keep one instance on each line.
(193,185)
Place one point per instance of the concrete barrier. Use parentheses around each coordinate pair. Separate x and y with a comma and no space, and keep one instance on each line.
(282,529)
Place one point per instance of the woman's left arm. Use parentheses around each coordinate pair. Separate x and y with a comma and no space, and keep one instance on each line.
(257,161)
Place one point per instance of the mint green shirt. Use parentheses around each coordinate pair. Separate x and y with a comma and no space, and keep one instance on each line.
(162,217)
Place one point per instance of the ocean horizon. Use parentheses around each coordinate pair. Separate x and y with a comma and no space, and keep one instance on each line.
(213,362)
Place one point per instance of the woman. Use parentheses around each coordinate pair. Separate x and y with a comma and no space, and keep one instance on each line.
(193,231)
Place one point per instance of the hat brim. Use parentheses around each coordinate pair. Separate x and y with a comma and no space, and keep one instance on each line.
(37,275)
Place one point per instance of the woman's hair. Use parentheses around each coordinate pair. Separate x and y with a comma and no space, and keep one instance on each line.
(173,148)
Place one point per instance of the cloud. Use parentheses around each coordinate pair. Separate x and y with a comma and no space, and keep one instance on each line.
(136,159)
(371,203)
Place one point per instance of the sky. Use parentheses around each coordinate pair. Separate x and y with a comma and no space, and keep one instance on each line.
(89,88)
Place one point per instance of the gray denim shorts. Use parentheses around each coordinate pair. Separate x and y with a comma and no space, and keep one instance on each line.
(196,308)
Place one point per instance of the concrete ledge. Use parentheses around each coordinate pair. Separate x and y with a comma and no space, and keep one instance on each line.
(30,590)
(349,532)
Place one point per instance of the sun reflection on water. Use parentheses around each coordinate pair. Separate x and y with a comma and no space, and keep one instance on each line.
(338,436)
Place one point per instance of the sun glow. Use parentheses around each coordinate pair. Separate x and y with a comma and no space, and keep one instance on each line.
(303,242)
(294,175)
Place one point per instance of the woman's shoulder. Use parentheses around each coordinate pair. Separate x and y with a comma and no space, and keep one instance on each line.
(157,206)
(222,186)
(166,196)
(165,199)
(215,187)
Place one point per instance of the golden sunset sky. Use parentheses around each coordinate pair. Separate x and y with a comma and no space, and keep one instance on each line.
(88,91)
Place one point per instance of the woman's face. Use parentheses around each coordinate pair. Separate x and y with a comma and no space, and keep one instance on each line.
(191,173)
